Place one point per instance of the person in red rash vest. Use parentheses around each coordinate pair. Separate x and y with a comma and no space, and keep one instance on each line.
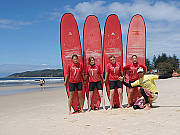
(75,76)
(113,72)
(95,76)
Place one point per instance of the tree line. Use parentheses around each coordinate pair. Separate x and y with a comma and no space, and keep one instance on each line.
(163,64)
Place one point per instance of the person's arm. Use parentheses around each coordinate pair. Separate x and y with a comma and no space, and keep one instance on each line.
(174,74)
(66,78)
(122,73)
(165,76)
(106,76)
(101,75)
(67,75)
(107,73)
(125,70)
(86,75)
(125,83)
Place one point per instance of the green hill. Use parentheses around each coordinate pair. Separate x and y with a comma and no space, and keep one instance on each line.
(39,73)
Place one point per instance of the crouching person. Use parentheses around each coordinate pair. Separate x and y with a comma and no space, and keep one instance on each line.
(147,85)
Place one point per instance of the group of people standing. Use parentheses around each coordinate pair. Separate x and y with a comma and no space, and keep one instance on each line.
(137,78)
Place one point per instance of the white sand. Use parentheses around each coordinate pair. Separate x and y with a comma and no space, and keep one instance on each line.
(45,113)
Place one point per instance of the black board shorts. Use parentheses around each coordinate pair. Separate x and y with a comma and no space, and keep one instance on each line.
(97,84)
(72,86)
(115,84)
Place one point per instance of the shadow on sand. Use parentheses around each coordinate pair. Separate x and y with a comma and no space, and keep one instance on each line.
(168,106)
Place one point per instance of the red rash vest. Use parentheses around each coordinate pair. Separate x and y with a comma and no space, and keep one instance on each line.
(94,73)
(114,71)
(132,68)
(75,71)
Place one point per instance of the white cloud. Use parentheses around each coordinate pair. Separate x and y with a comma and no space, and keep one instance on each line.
(44,64)
(162,21)
(163,11)
(84,9)
(14,24)
(158,11)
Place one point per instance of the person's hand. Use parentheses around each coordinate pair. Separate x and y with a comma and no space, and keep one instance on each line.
(121,78)
(175,74)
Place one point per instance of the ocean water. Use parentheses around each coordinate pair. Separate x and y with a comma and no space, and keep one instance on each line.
(6,82)
(10,82)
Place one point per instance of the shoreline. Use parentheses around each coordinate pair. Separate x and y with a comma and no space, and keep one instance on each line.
(28,88)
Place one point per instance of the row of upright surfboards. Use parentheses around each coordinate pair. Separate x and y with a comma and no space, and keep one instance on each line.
(92,46)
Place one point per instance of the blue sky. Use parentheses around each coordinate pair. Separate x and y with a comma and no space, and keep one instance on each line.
(29,29)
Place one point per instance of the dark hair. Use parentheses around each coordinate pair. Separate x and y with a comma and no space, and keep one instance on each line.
(90,59)
(134,56)
(112,56)
(74,55)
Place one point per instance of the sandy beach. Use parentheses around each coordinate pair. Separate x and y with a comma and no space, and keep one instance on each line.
(46,113)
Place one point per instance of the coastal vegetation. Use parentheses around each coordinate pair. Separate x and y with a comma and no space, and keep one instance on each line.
(163,64)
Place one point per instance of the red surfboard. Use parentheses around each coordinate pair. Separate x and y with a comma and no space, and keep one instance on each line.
(136,45)
(70,44)
(113,46)
(92,47)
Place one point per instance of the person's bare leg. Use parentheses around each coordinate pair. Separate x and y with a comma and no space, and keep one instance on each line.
(80,99)
(150,102)
(147,106)
(70,99)
(89,100)
(120,92)
(139,90)
(111,98)
(130,92)
(102,98)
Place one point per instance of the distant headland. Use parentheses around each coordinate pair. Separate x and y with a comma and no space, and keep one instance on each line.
(39,73)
